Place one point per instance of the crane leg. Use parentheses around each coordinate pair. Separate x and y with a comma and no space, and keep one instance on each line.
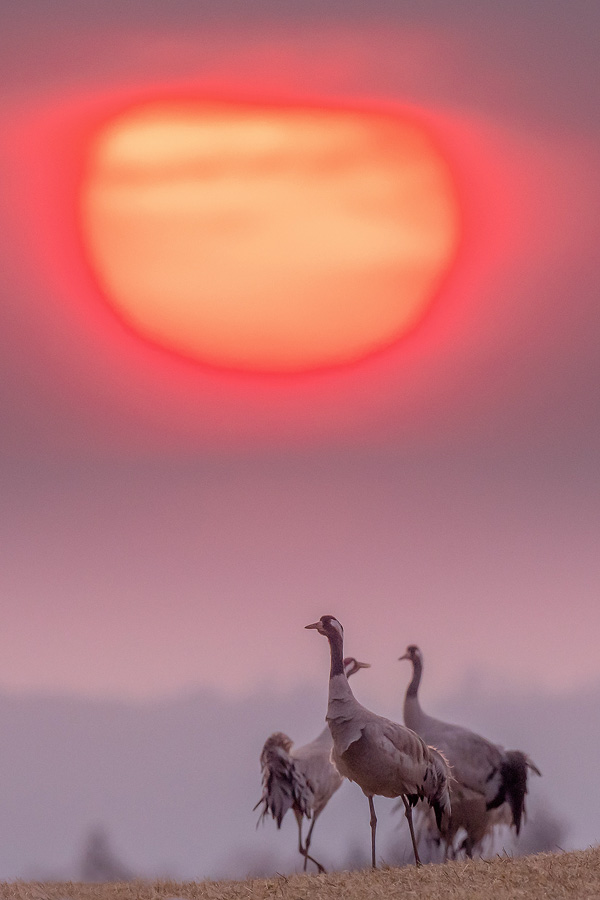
(320,868)
(303,849)
(309,835)
(408,814)
(373,830)
(467,846)
(300,844)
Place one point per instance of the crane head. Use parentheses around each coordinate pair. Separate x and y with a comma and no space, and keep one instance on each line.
(328,625)
(352,665)
(413,653)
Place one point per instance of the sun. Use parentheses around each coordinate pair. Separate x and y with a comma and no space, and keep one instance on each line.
(265,238)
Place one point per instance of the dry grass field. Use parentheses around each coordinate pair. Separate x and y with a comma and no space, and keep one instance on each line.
(552,876)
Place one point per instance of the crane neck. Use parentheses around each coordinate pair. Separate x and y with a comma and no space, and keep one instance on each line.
(413,714)
(336,646)
(340,701)
(413,688)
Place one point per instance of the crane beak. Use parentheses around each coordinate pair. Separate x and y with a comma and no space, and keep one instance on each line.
(406,656)
(314,625)
(360,665)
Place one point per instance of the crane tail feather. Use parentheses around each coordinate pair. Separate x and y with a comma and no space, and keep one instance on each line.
(514,783)
(438,795)
(284,786)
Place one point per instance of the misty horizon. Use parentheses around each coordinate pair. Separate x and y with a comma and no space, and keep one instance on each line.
(187,812)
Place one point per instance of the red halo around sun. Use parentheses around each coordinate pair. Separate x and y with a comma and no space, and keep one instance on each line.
(265,238)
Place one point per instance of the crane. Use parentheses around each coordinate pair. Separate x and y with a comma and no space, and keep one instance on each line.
(485,775)
(383,757)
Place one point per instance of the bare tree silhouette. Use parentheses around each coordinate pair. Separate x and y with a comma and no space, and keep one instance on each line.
(99,862)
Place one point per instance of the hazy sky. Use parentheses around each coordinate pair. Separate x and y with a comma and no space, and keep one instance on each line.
(168,525)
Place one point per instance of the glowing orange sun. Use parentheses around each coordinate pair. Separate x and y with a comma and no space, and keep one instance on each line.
(265,238)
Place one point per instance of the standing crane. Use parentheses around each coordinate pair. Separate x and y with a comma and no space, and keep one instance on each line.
(489,783)
(381,756)
(303,778)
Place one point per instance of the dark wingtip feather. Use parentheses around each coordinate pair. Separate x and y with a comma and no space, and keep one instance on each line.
(514,781)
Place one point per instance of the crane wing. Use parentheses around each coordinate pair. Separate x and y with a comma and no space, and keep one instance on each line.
(388,759)
(475,762)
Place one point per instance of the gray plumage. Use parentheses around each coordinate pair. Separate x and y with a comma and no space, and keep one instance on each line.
(485,775)
(382,757)
(300,778)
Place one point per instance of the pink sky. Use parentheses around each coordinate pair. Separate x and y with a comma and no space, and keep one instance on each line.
(167,525)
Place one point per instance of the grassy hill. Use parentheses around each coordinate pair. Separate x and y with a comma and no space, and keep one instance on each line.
(552,876)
